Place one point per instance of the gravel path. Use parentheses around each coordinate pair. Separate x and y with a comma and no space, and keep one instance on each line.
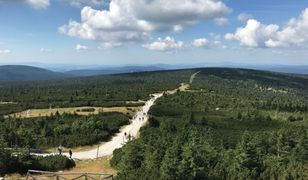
(119,139)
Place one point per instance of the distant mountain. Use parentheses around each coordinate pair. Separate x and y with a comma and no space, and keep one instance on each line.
(27,73)
(289,69)
(112,70)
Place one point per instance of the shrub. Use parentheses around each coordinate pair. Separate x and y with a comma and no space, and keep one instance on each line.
(88,110)
(53,163)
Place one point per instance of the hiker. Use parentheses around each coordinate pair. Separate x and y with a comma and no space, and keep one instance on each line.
(60,150)
(70,152)
(130,137)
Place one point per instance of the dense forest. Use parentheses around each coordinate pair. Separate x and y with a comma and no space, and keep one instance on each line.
(69,130)
(108,90)
(231,124)
(19,135)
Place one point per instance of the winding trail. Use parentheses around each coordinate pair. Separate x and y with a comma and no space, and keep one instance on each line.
(119,140)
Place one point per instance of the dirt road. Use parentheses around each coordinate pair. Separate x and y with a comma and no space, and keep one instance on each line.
(119,139)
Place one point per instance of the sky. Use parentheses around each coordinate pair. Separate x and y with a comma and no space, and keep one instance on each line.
(121,32)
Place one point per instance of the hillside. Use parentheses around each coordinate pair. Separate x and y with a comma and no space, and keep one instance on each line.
(26,73)
(230,124)
(112,70)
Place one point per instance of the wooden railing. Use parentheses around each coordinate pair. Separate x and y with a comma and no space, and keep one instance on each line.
(37,175)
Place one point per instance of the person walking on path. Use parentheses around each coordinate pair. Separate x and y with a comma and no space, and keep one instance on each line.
(70,152)
(60,150)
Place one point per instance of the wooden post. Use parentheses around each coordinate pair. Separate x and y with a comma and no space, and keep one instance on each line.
(97,151)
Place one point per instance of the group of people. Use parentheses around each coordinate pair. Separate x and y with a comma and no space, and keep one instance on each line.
(60,149)
(128,136)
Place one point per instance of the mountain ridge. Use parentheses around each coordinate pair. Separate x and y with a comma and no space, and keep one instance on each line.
(27,73)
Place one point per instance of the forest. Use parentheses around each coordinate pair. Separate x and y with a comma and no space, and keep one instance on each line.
(231,124)
(19,135)
(106,91)
(69,130)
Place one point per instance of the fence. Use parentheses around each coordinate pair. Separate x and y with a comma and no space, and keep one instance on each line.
(38,175)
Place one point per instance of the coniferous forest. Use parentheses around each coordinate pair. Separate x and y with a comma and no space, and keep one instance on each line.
(229,124)
(18,135)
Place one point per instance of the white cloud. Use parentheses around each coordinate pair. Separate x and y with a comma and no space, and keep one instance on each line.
(80,3)
(81,47)
(243,17)
(5,51)
(221,21)
(167,44)
(200,42)
(45,50)
(217,42)
(132,20)
(177,28)
(255,34)
(109,45)
(38,4)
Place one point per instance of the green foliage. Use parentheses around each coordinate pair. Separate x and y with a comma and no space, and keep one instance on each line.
(233,125)
(53,163)
(107,90)
(86,110)
(69,130)
(12,160)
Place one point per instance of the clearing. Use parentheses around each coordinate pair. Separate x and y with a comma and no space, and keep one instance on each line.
(31,113)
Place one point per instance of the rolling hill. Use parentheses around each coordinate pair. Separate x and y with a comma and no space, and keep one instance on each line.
(27,73)
(112,70)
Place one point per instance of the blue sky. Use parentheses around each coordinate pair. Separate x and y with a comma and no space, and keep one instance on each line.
(119,32)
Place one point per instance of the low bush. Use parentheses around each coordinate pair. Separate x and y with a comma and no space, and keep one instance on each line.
(53,163)
(21,162)
(88,110)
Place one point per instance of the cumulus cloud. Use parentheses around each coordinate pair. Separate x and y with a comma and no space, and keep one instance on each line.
(80,47)
(167,44)
(42,4)
(200,42)
(243,17)
(5,51)
(256,34)
(170,44)
(221,21)
(38,4)
(133,20)
(80,3)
